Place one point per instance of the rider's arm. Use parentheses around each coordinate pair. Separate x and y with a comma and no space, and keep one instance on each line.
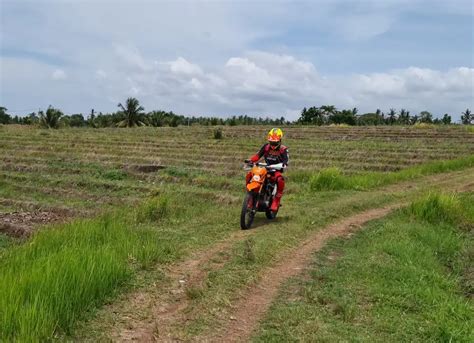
(258,155)
(285,158)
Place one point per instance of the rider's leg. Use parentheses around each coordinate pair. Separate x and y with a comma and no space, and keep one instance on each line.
(280,187)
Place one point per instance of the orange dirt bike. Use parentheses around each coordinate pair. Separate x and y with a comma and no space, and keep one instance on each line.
(261,190)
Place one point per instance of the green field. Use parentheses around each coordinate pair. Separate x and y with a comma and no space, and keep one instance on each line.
(134,211)
(404,278)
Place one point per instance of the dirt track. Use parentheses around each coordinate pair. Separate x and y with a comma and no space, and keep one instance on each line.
(150,314)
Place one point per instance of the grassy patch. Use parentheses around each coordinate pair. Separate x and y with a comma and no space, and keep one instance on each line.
(408,266)
(5,241)
(66,271)
(334,179)
(436,208)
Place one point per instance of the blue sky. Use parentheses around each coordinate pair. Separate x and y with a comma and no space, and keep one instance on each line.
(237,57)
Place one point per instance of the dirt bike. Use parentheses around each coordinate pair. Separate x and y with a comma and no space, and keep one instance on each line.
(260,192)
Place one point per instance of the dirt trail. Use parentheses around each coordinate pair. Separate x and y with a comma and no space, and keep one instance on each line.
(150,314)
(251,307)
(165,306)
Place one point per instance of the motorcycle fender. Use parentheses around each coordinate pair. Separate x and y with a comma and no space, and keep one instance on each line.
(253,186)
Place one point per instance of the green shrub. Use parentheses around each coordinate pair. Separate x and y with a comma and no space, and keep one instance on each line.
(328,179)
(435,208)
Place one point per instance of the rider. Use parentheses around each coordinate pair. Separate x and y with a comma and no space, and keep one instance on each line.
(273,152)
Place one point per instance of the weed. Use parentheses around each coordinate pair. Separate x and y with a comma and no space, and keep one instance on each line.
(218,133)
(328,179)
(194,293)
(436,208)
(153,210)
(248,254)
(114,175)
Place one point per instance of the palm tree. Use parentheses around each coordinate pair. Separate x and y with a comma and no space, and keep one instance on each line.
(50,119)
(404,117)
(467,117)
(392,116)
(132,112)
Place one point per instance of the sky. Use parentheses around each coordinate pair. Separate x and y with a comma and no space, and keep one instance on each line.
(223,58)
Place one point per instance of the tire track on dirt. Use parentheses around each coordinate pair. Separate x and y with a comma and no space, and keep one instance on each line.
(257,299)
(167,304)
(151,313)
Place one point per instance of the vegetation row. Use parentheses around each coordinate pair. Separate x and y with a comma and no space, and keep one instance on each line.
(132,114)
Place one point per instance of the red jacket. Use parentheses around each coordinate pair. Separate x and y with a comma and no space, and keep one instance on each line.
(272,156)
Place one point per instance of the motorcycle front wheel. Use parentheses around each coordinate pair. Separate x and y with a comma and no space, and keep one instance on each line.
(249,208)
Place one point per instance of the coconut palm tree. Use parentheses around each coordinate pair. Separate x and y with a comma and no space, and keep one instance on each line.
(50,119)
(133,113)
(392,116)
(467,117)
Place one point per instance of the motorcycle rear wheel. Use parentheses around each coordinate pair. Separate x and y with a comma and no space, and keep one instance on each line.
(249,208)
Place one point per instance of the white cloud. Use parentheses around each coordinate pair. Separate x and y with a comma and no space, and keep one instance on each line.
(181,66)
(228,57)
(100,74)
(58,74)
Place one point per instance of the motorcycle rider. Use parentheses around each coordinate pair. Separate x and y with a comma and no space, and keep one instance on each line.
(273,152)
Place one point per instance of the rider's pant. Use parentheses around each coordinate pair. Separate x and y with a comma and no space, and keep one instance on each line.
(280,184)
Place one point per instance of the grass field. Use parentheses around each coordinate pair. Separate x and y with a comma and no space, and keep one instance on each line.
(163,203)
(412,266)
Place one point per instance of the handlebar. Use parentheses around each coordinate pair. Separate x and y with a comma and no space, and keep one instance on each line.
(278,166)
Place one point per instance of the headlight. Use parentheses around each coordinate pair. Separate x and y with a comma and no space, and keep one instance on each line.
(256,178)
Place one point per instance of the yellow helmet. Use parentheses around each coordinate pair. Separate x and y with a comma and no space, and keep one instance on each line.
(274,137)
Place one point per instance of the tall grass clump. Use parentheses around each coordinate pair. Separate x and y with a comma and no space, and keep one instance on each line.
(49,282)
(437,207)
(328,179)
(153,210)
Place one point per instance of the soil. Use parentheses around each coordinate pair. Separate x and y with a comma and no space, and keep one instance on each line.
(23,224)
(150,168)
(148,310)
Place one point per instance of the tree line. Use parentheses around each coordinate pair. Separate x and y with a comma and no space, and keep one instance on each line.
(132,114)
(328,114)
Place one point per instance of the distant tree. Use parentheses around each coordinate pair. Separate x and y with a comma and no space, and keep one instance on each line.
(328,110)
(77,120)
(50,119)
(313,115)
(467,117)
(413,120)
(343,117)
(446,119)
(404,117)
(132,113)
(367,119)
(426,117)
(91,119)
(392,116)
(4,117)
